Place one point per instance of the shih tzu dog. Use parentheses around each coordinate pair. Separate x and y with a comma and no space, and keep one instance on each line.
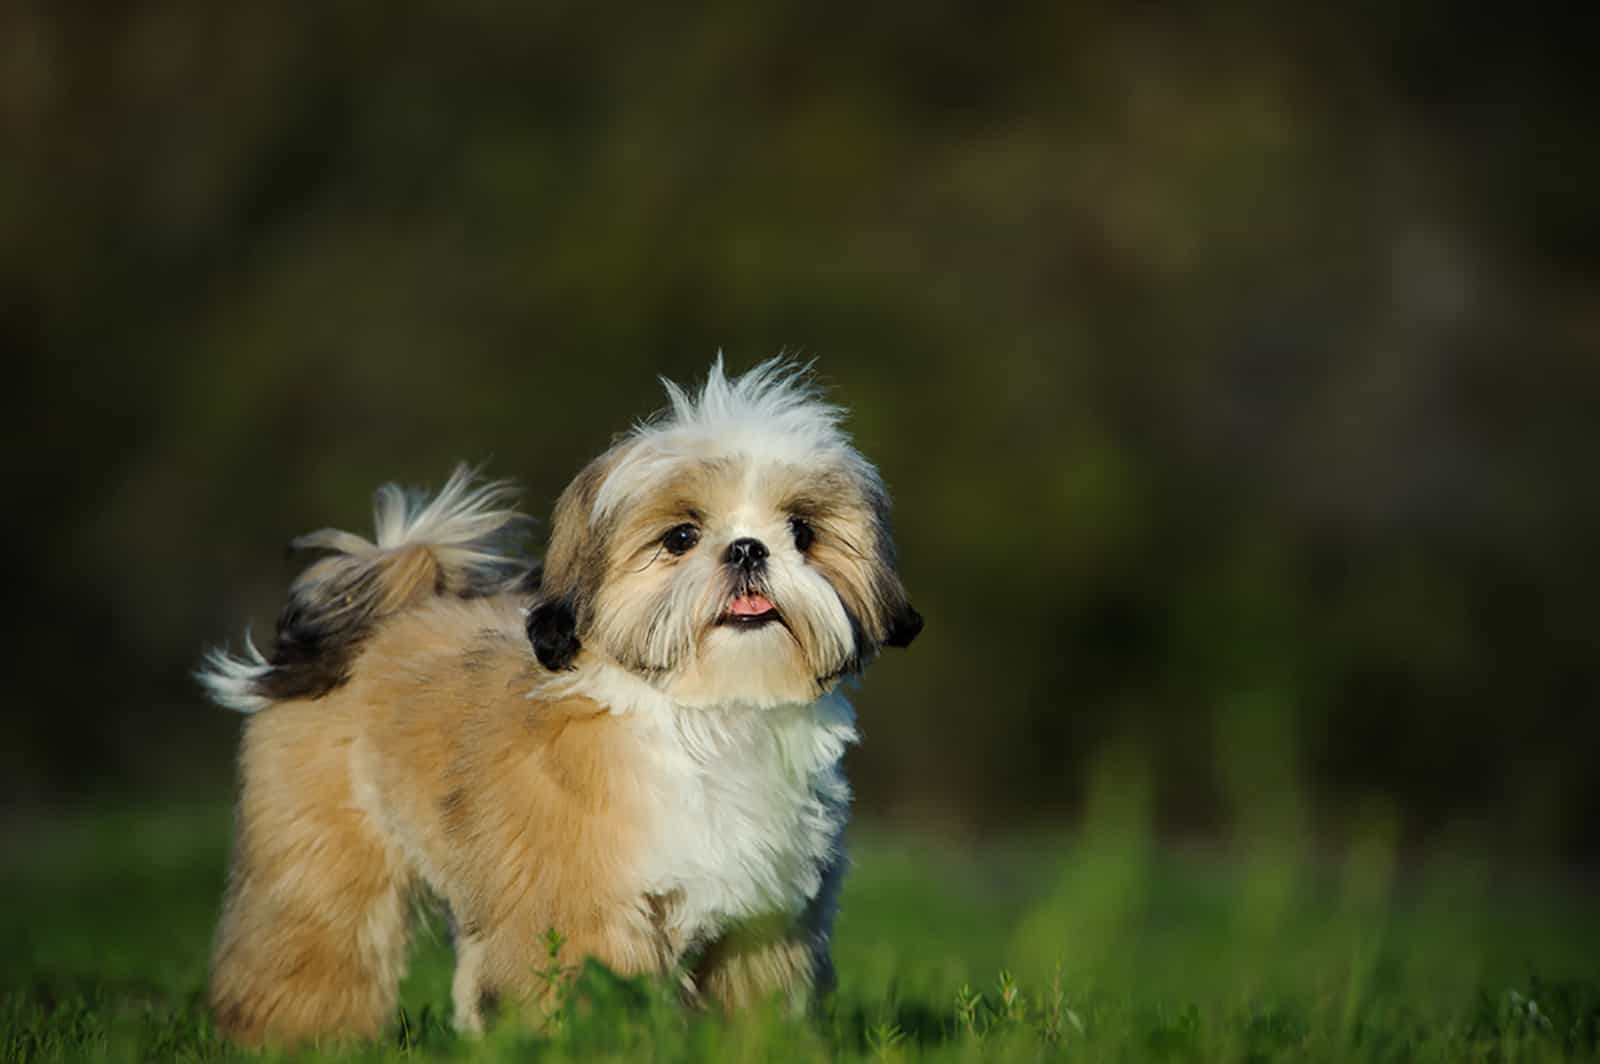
(637,747)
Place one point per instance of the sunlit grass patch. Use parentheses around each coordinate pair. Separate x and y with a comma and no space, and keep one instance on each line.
(1105,945)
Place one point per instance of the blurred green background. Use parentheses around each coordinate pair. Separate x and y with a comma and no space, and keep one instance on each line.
(1235,369)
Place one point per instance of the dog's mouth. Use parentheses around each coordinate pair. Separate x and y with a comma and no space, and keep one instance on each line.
(749,609)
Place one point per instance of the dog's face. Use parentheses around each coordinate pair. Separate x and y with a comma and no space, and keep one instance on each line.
(735,550)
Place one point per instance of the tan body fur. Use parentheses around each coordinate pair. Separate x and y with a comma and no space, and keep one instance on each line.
(432,769)
(641,754)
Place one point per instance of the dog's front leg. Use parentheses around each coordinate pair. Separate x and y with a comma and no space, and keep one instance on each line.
(523,965)
(776,955)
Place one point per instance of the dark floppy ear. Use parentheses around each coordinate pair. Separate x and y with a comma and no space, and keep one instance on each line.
(903,627)
(553,631)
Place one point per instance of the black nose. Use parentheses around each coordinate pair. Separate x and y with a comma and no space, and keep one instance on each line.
(747,553)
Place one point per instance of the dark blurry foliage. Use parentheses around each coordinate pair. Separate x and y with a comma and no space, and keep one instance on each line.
(1243,352)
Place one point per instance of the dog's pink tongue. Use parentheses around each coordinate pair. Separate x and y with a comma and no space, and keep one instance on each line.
(750,606)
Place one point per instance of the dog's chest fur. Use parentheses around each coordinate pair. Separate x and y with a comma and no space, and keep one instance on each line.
(748,806)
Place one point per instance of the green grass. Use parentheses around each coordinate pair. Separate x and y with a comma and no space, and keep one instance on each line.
(1106,946)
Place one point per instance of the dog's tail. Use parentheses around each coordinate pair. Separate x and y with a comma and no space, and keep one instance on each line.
(461,542)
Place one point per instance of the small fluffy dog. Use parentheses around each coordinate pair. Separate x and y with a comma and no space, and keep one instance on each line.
(638,748)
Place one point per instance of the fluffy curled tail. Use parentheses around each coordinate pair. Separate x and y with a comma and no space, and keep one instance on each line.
(457,543)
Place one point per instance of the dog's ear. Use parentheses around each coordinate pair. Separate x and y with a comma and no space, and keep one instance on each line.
(903,627)
(553,631)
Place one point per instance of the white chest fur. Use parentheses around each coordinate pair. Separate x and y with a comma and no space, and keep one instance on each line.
(748,804)
(753,803)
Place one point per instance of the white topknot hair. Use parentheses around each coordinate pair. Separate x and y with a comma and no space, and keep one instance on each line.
(774,410)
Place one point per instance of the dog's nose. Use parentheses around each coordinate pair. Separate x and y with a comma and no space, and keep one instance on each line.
(747,553)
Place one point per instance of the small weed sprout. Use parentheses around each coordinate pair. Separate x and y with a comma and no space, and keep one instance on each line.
(1057,1017)
(557,978)
(1013,1003)
(884,1038)
(968,1004)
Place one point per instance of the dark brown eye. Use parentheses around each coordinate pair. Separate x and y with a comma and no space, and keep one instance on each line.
(804,534)
(680,538)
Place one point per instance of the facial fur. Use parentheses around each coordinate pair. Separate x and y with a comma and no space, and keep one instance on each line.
(643,570)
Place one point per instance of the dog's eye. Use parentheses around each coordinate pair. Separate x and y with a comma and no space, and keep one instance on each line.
(680,538)
(804,534)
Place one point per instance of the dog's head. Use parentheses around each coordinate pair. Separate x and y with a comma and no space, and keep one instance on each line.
(734,549)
